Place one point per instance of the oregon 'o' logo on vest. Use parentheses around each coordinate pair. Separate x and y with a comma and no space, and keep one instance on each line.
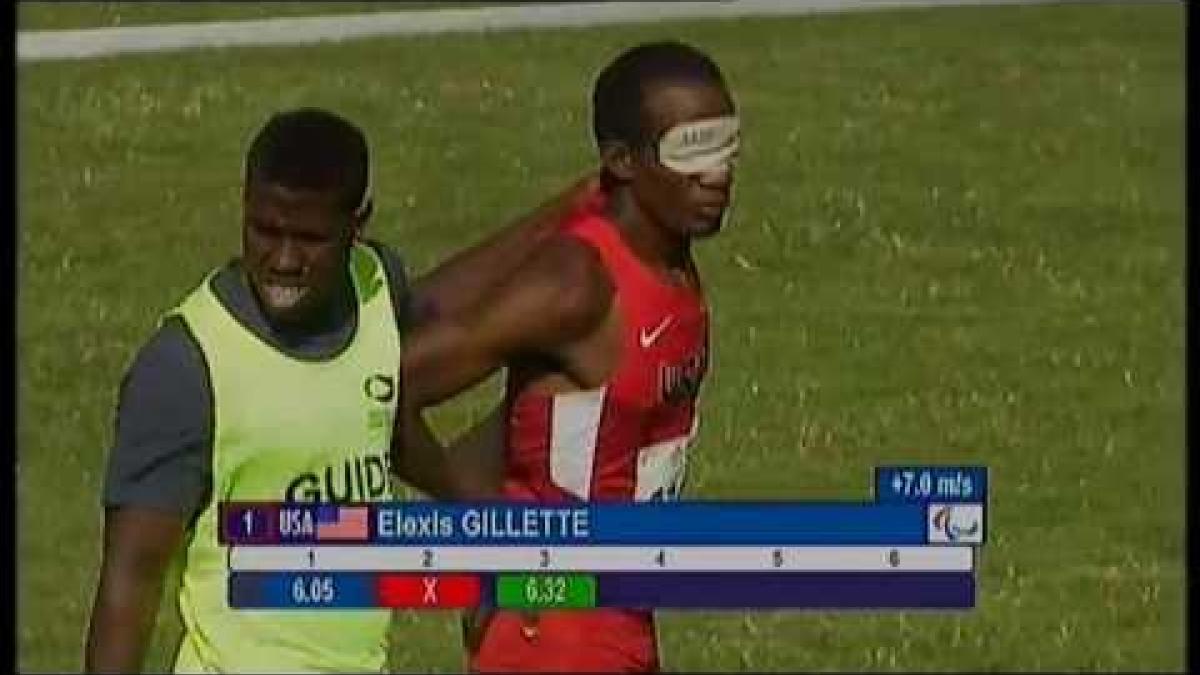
(380,388)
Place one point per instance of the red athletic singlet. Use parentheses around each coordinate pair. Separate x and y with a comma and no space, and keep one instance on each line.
(626,440)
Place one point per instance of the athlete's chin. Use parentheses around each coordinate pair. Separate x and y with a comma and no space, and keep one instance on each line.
(703,228)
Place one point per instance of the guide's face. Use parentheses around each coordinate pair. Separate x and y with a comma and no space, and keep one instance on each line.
(295,246)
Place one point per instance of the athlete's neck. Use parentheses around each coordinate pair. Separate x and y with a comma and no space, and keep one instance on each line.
(652,242)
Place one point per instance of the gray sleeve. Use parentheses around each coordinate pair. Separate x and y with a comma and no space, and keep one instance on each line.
(162,449)
(393,267)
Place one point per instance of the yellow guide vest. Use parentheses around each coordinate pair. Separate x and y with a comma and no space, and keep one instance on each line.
(289,429)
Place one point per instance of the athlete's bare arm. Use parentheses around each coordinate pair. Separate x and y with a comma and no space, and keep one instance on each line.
(138,546)
(456,284)
(551,303)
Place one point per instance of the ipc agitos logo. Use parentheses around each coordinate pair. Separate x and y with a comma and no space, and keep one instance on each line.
(956,523)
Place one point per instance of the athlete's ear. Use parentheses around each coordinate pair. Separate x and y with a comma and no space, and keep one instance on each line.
(617,158)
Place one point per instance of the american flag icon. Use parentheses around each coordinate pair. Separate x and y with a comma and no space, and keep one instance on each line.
(342,523)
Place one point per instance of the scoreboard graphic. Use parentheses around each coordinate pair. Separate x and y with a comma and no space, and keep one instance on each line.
(914,546)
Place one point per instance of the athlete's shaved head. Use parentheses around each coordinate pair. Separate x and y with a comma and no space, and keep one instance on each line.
(667,133)
(618,99)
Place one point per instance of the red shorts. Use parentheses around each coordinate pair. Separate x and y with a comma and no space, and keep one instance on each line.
(603,640)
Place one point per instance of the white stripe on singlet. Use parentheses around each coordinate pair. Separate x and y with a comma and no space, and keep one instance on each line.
(661,466)
(574,431)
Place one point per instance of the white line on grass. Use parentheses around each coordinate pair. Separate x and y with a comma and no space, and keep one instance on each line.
(85,43)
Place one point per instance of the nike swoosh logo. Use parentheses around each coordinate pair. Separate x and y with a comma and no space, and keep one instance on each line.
(648,339)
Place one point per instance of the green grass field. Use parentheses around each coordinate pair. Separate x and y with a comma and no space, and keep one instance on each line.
(60,15)
(958,238)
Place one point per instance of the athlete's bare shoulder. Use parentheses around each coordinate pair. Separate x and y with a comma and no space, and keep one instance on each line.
(572,281)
